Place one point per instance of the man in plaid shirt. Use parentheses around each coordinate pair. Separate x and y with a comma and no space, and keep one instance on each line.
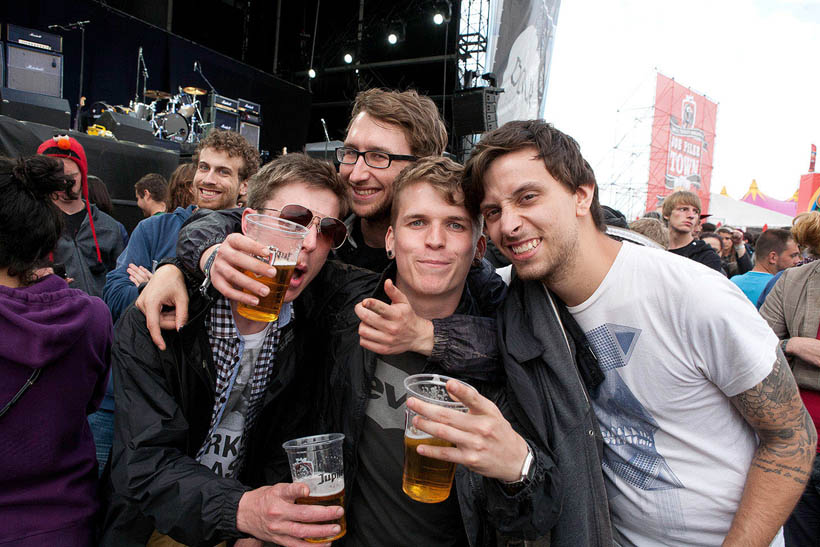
(187,413)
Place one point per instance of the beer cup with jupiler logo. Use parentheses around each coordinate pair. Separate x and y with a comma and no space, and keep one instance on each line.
(426,479)
(284,241)
(317,462)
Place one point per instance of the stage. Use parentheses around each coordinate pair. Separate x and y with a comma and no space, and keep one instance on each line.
(118,163)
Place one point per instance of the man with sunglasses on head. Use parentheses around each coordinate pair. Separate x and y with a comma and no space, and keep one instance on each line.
(195,418)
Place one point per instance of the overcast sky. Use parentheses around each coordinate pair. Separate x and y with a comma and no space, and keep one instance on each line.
(758,59)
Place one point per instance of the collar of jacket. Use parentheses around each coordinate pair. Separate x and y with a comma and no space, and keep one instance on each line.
(521,323)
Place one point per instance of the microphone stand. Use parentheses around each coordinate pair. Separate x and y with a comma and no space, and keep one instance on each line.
(140,64)
(199,70)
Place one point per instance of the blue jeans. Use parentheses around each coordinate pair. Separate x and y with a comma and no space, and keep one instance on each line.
(102,428)
(803,527)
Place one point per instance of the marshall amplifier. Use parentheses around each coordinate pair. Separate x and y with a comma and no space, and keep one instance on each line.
(250,112)
(37,71)
(250,132)
(34,39)
(222,113)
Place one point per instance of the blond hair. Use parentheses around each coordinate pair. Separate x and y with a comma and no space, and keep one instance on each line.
(676,199)
(415,114)
(652,228)
(806,231)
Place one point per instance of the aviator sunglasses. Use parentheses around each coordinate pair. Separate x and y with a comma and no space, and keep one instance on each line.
(331,228)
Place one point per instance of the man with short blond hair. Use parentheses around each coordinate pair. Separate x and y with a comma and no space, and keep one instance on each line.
(681,211)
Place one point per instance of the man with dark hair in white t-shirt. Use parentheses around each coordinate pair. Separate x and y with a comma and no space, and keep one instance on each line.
(706,440)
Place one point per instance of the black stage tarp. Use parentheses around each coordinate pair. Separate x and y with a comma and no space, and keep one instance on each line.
(118,163)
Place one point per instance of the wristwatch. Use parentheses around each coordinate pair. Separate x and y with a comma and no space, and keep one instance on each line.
(203,289)
(783,344)
(527,471)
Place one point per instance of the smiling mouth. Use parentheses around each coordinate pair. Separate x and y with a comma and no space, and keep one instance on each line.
(365,192)
(208,193)
(525,246)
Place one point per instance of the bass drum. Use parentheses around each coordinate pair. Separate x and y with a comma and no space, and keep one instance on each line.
(174,126)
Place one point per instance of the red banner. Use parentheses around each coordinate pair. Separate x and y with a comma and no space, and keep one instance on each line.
(683,143)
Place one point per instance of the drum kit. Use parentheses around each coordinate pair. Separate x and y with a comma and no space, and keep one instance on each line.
(172,117)
(175,118)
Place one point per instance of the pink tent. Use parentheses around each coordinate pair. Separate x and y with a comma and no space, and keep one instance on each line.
(756,197)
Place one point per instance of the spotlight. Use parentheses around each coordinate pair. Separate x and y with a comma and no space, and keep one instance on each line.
(442,11)
(395,32)
(348,58)
(311,73)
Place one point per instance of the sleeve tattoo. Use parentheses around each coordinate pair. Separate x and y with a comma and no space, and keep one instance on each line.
(775,411)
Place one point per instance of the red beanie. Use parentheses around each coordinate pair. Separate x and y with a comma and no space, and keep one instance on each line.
(63,146)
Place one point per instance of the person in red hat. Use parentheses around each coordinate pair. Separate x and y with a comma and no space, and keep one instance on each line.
(91,241)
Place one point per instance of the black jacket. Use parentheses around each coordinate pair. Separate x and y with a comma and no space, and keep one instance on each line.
(488,512)
(550,399)
(164,401)
(700,251)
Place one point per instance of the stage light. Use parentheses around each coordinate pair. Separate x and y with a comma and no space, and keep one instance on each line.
(442,11)
(395,32)
(348,58)
(312,73)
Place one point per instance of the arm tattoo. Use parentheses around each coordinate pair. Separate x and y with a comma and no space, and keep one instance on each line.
(775,411)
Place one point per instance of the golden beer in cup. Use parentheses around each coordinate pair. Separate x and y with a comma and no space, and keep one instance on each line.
(284,241)
(426,479)
(317,462)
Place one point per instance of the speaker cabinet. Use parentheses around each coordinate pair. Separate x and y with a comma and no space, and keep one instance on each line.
(126,128)
(34,107)
(474,110)
(250,132)
(34,71)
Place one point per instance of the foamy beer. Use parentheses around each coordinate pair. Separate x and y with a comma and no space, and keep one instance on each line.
(426,479)
(284,241)
(317,462)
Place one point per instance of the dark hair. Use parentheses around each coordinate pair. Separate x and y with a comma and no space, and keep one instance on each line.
(713,235)
(180,187)
(295,168)
(561,154)
(775,240)
(155,184)
(30,223)
(708,227)
(236,146)
(98,195)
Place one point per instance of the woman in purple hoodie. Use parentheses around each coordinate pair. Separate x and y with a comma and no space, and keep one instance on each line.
(54,358)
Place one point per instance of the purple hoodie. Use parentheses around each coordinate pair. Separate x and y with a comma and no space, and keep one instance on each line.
(48,466)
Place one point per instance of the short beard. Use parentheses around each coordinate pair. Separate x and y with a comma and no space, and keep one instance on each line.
(381,214)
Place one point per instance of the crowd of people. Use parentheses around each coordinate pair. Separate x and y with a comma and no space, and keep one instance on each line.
(624,394)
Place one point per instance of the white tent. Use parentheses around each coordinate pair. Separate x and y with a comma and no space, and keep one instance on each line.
(726,210)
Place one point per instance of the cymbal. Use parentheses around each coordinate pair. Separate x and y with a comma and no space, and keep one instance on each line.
(155,94)
(190,90)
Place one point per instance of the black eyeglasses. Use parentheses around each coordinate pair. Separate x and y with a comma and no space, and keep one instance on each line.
(373,158)
(333,229)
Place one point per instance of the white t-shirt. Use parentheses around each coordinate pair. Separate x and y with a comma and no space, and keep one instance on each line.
(675,340)
(228,436)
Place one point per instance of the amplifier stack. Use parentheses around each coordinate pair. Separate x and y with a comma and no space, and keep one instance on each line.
(32,77)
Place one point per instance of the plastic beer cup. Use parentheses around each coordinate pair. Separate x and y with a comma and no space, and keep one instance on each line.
(284,240)
(426,479)
(317,462)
